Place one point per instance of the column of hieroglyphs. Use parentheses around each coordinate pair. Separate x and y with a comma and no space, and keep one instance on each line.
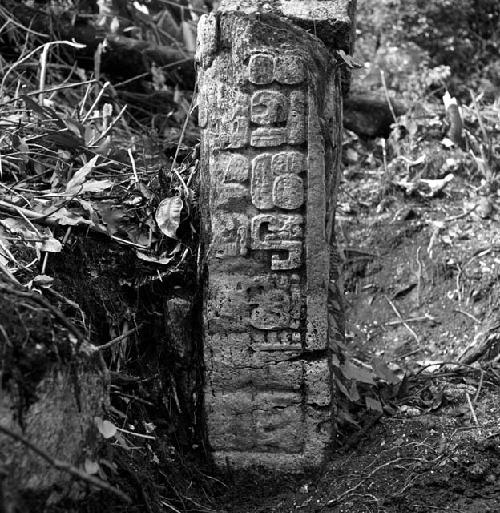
(265,109)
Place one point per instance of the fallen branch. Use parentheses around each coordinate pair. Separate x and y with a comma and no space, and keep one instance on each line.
(65,466)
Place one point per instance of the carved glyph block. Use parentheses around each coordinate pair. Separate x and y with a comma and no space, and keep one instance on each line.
(231,239)
(282,118)
(288,192)
(275,180)
(279,232)
(266,106)
(264,68)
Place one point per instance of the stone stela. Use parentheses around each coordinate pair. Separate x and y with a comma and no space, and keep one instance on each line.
(268,392)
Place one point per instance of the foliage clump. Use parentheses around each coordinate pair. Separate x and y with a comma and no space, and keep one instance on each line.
(463,35)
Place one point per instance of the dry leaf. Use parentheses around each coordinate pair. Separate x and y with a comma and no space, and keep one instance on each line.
(373,404)
(91,467)
(42,280)
(356,373)
(168,216)
(112,216)
(189,36)
(161,260)
(75,184)
(96,186)
(50,245)
(65,217)
(105,427)
(383,372)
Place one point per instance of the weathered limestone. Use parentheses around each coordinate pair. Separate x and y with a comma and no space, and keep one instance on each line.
(61,422)
(270,114)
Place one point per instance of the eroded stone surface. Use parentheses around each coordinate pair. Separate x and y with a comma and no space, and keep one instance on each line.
(61,422)
(270,123)
(330,20)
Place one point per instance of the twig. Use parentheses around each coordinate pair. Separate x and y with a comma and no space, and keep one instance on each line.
(471,408)
(405,324)
(363,479)
(30,54)
(134,168)
(43,72)
(435,232)
(140,435)
(96,101)
(481,126)
(444,363)
(459,216)
(10,19)
(142,75)
(116,340)
(37,298)
(133,397)
(467,314)
(422,318)
(419,276)
(110,127)
(97,64)
(169,506)
(459,288)
(65,466)
(181,137)
(479,387)
(384,84)
(65,300)
(406,355)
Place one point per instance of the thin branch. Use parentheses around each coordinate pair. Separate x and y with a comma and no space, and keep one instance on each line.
(343,495)
(471,408)
(110,127)
(116,340)
(37,298)
(405,324)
